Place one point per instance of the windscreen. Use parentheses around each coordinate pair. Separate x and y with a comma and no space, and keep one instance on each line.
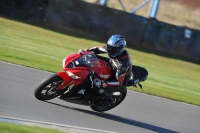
(89,60)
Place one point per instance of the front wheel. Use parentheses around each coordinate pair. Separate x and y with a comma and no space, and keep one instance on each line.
(116,96)
(48,88)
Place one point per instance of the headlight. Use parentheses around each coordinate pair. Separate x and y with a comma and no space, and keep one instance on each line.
(70,74)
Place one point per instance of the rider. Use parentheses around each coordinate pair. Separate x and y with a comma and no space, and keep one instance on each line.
(119,60)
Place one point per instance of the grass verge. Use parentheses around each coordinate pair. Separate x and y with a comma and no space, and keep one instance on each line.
(16,128)
(44,49)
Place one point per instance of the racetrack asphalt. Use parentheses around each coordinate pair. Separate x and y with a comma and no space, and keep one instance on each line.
(138,113)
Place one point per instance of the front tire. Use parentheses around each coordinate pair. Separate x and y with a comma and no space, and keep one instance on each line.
(48,88)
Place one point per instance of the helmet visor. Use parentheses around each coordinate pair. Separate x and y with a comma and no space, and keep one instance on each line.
(114,50)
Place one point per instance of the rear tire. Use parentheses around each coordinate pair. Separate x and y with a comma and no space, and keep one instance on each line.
(101,107)
(48,88)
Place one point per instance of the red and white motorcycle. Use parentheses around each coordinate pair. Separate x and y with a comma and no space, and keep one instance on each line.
(75,83)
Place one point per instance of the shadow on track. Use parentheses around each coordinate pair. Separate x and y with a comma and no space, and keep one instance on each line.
(120,119)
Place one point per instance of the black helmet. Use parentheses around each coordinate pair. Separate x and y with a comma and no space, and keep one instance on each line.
(116,45)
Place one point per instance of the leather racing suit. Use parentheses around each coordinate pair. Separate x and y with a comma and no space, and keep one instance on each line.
(122,67)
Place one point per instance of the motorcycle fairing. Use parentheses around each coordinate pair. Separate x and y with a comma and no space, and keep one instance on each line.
(69,58)
(65,77)
(81,72)
(106,70)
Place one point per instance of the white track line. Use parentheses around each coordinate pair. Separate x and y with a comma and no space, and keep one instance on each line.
(55,124)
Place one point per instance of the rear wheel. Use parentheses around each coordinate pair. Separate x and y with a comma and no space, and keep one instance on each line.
(115,97)
(48,88)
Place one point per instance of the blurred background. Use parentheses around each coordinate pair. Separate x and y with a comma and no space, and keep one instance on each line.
(177,12)
(166,26)
(163,36)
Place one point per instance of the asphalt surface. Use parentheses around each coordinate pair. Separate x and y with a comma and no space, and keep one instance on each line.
(138,113)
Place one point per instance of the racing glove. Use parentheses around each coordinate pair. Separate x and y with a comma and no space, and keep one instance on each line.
(81,51)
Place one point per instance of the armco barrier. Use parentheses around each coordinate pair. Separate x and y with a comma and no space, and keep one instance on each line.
(101,21)
(95,20)
(175,40)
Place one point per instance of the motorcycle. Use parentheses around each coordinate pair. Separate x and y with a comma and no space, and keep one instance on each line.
(78,83)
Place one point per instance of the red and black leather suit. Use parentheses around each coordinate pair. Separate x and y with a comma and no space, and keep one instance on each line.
(122,66)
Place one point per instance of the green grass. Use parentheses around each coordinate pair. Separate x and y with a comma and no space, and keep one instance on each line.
(16,128)
(44,49)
